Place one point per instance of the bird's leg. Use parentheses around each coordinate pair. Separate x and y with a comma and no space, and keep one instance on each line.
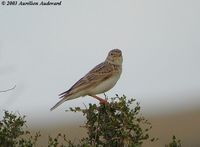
(102,101)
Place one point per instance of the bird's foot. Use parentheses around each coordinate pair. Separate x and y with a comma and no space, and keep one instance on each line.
(101,101)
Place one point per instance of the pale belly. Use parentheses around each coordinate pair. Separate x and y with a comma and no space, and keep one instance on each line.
(105,86)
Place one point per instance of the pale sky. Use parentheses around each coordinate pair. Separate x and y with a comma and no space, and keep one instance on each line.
(44,50)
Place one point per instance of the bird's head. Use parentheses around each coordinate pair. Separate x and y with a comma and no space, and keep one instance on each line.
(115,57)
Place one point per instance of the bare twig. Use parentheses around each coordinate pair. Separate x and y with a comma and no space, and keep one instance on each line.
(8,89)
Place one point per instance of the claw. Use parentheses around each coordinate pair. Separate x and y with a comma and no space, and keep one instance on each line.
(101,101)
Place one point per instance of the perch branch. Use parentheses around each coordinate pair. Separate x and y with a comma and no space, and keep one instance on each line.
(8,89)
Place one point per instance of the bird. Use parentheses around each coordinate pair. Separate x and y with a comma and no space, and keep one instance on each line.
(99,80)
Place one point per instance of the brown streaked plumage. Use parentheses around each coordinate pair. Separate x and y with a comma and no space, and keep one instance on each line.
(99,80)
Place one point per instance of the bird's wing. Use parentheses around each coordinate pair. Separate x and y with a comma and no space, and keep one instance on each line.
(98,74)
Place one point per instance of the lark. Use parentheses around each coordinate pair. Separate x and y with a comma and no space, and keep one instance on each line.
(100,79)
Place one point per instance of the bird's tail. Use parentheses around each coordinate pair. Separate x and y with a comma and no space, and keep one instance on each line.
(58,104)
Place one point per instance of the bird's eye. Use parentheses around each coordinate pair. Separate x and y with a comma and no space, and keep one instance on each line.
(111,54)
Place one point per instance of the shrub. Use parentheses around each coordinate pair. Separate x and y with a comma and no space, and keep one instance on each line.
(115,124)
(174,143)
(11,131)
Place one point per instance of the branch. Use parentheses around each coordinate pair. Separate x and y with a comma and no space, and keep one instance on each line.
(8,89)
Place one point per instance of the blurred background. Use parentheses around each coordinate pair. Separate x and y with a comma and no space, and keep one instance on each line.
(44,50)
